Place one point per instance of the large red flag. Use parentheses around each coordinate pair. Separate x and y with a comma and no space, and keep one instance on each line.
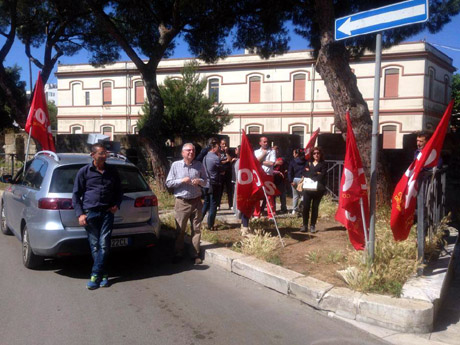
(311,144)
(353,187)
(404,198)
(38,121)
(251,178)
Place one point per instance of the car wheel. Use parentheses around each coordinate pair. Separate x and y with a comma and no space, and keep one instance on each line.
(3,226)
(29,259)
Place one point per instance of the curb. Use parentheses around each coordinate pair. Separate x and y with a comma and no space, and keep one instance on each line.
(413,313)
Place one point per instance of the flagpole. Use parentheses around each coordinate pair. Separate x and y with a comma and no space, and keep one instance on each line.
(274,220)
(363,216)
(27,151)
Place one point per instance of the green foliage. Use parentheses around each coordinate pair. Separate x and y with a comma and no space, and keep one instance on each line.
(189,112)
(17,87)
(52,112)
(456,93)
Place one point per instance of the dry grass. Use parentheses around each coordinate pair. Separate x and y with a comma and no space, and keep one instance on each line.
(394,262)
(165,199)
(262,246)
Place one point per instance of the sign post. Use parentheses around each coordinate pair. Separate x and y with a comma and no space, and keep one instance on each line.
(362,23)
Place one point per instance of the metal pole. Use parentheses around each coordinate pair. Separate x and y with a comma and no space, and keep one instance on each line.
(363,218)
(375,143)
(421,224)
(274,220)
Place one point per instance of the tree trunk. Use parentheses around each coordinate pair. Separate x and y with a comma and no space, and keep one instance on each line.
(150,134)
(333,66)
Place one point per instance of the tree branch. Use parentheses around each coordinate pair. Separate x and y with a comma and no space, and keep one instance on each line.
(12,34)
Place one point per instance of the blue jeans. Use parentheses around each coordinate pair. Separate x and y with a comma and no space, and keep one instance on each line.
(211,201)
(99,229)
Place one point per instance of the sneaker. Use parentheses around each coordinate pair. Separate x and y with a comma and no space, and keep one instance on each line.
(93,283)
(312,229)
(303,228)
(104,282)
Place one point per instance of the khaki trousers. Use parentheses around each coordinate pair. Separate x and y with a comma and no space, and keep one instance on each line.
(188,209)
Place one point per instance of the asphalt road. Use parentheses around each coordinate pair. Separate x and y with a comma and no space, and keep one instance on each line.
(152,302)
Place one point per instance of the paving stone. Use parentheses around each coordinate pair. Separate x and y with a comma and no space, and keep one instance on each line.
(269,275)
(222,257)
(342,301)
(406,315)
(309,290)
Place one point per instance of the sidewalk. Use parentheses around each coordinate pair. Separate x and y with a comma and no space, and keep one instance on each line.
(369,312)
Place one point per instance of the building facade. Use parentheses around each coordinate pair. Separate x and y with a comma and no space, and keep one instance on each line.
(280,95)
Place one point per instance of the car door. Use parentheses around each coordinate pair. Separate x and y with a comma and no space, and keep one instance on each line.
(20,200)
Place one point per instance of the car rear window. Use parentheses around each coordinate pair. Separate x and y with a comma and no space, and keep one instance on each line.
(64,177)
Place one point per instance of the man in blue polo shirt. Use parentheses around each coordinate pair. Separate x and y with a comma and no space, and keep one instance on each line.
(97,195)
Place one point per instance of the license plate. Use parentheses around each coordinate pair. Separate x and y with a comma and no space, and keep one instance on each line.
(119,242)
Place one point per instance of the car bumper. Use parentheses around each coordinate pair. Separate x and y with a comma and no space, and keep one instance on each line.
(74,241)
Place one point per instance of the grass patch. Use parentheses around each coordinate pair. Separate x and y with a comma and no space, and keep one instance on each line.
(327,207)
(165,199)
(209,236)
(394,262)
(262,246)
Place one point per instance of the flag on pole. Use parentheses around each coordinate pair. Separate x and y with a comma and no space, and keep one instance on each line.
(353,187)
(404,198)
(251,178)
(38,123)
(311,144)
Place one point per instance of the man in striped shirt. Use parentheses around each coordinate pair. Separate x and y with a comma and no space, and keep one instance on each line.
(186,177)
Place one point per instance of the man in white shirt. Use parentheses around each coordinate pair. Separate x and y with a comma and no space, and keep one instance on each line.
(267,158)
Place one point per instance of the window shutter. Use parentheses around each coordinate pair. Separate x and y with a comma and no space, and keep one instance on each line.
(139,90)
(254,90)
(391,82)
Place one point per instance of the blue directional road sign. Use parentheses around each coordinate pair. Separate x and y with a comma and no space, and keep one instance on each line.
(378,19)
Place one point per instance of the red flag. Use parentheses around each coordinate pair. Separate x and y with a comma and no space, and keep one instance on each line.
(353,187)
(38,121)
(404,198)
(251,178)
(311,144)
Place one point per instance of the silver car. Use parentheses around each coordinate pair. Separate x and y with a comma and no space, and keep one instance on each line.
(37,208)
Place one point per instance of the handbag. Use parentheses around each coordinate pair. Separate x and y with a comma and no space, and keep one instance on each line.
(309,184)
(300,185)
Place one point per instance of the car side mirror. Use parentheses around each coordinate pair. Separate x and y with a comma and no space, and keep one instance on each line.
(6,178)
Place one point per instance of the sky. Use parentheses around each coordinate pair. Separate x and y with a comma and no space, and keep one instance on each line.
(447,41)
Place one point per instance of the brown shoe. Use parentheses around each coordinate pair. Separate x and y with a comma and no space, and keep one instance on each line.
(198,261)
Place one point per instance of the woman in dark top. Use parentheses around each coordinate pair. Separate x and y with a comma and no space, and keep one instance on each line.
(315,169)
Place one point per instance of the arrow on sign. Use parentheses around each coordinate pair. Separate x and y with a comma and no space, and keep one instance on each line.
(382,18)
(378,19)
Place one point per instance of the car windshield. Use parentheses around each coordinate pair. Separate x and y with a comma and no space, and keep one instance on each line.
(64,177)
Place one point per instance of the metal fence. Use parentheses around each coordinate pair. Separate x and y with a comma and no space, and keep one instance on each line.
(334,175)
(9,163)
(431,206)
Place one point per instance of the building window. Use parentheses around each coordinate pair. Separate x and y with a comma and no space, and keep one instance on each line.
(430,83)
(76,130)
(389,136)
(391,82)
(446,89)
(77,94)
(139,92)
(106,93)
(214,89)
(299,87)
(87,98)
(254,130)
(135,130)
(254,90)
(300,131)
(107,130)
